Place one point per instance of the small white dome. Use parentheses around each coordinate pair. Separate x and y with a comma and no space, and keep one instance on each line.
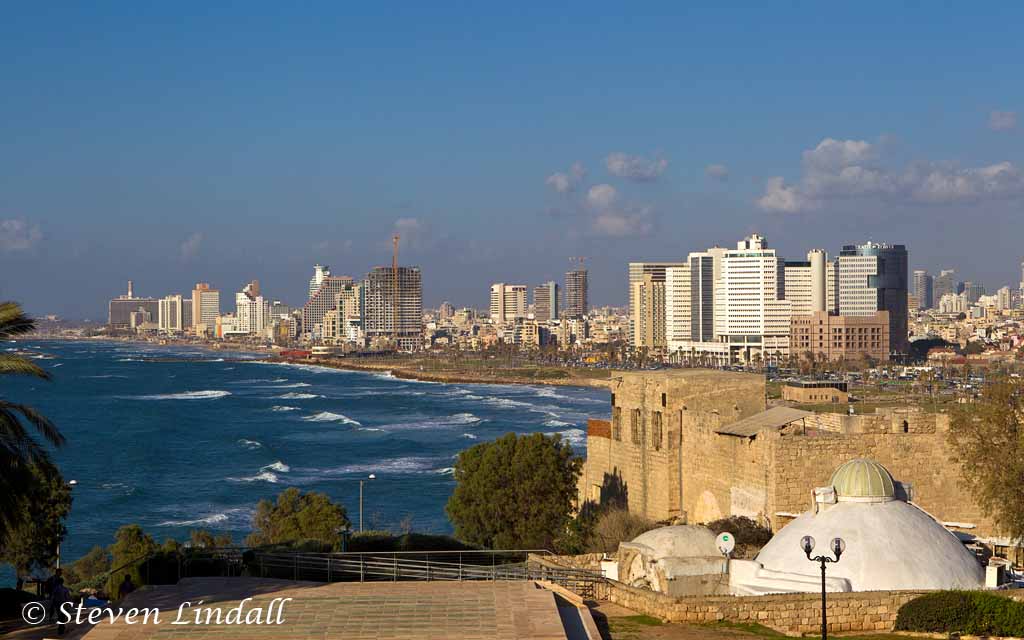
(679,541)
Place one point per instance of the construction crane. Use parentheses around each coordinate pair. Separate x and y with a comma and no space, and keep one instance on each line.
(579,260)
(394,289)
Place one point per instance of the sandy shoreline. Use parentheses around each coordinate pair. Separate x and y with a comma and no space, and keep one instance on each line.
(396,369)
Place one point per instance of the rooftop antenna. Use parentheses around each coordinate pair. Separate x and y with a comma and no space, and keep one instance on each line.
(394,289)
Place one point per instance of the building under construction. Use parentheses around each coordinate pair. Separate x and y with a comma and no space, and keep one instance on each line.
(394,307)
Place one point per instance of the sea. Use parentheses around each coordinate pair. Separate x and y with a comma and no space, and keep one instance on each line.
(177,438)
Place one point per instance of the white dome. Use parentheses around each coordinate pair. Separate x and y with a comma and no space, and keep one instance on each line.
(679,541)
(889,545)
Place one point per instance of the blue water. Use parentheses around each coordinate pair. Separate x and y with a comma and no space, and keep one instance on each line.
(199,440)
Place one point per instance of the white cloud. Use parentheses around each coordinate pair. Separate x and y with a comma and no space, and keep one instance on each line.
(16,234)
(1002,120)
(567,182)
(189,249)
(635,168)
(619,224)
(844,169)
(601,196)
(717,171)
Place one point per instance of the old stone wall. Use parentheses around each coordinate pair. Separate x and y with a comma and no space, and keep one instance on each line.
(792,614)
(922,460)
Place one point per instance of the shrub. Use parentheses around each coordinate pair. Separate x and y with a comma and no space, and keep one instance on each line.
(615,526)
(750,536)
(966,612)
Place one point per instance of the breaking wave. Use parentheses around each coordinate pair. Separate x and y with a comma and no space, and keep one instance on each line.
(187,395)
(262,476)
(250,444)
(277,466)
(297,396)
(280,407)
(327,416)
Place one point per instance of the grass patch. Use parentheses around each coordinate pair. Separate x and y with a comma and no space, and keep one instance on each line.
(752,628)
(647,621)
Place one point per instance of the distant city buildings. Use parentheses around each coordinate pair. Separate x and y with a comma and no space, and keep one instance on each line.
(394,307)
(205,308)
(923,289)
(545,301)
(576,293)
(121,308)
(508,302)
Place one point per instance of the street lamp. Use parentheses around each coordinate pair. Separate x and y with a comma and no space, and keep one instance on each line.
(71,485)
(838,546)
(370,477)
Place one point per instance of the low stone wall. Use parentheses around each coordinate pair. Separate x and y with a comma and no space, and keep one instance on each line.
(792,614)
(590,561)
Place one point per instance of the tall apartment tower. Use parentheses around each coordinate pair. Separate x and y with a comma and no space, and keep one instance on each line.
(648,312)
(678,308)
(974,290)
(323,300)
(252,310)
(173,314)
(576,292)
(205,306)
(806,283)
(508,302)
(391,313)
(319,273)
(944,283)
(924,287)
(545,302)
(873,277)
(637,271)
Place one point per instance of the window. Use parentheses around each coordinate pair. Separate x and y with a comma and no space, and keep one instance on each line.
(616,423)
(656,429)
(664,400)
(635,426)
(673,439)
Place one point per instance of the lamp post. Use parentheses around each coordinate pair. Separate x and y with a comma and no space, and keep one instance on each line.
(71,485)
(361,482)
(838,546)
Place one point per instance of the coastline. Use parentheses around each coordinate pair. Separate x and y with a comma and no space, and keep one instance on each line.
(398,369)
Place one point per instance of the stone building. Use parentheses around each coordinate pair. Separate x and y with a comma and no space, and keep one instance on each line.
(698,445)
(831,337)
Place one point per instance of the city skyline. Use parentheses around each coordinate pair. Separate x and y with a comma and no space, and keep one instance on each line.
(182,148)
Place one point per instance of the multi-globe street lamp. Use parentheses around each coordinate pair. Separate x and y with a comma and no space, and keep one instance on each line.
(361,482)
(838,546)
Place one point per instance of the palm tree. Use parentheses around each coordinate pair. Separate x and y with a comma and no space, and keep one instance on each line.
(19,451)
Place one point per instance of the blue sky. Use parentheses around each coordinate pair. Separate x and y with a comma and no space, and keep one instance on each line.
(186,142)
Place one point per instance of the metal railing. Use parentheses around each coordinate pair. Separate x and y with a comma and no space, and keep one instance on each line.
(433,565)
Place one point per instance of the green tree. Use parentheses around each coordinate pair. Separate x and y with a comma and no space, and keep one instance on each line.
(296,517)
(131,547)
(22,459)
(515,492)
(38,529)
(987,439)
(203,539)
(89,566)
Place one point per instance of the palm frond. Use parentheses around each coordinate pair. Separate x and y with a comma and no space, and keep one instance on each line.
(42,424)
(16,365)
(13,321)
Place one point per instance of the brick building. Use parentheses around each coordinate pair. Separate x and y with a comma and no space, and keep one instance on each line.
(831,337)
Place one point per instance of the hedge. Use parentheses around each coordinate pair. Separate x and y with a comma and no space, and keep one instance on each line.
(966,612)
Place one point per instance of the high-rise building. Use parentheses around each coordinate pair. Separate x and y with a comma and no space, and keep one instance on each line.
(252,310)
(677,308)
(873,277)
(394,314)
(205,307)
(508,302)
(974,290)
(446,310)
(344,322)
(545,301)
(121,308)
(576,292)
(924,287)
(319,273)
(805,284)
(648,312)
(1004,299)
(173,317)
(751,313)
(323,300)
(637,271)
(942,284)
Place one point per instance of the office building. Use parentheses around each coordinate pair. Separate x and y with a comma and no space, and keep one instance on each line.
(394,307)
(576,292)
(648,313)
(806,283)
(873,277)
(545,302)
(508,302)
(637,271)
(974,291)
(344,322)
(924,286)
(205,308)
(323,300)
(677,308)
(825,336)
(445,311)
(944,283)
(119,309)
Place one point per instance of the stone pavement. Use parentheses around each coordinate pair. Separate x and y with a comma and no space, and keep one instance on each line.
(349,611)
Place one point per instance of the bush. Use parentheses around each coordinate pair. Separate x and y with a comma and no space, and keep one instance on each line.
(615,526)
(966,612)
(749,535)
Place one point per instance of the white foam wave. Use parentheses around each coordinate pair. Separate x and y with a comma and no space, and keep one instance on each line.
(188,395)
(280,407)
(277,466)
(575,437)
(469,436)
(262,476)
(409,464)
(328,416)
(294,385)
(556,423)
(447,471)
(250,444)
(297,396)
